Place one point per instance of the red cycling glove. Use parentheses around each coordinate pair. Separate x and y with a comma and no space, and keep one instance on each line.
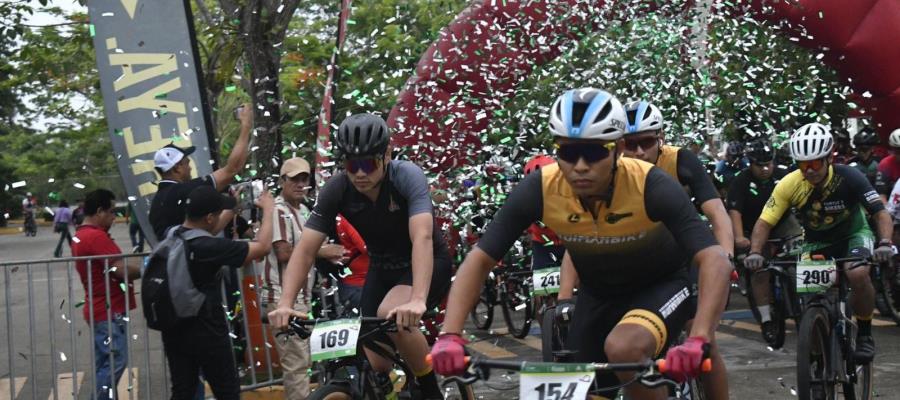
(684,361)
(448,355)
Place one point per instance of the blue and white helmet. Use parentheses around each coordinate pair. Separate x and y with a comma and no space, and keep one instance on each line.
(587,113)
(811,142)
(642,117)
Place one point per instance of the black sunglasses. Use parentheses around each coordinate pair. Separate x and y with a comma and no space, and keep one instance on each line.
(590,152)
(367,165)
(645,143)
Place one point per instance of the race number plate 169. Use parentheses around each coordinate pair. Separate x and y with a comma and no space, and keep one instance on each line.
(334,339)
(548,381)
(545,281)
(814,276)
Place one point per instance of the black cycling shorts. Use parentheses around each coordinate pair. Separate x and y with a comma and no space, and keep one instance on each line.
(379,282)
(662,308)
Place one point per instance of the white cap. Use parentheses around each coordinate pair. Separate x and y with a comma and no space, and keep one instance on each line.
(168,156)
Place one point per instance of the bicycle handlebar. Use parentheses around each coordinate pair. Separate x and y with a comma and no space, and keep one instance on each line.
(660,365)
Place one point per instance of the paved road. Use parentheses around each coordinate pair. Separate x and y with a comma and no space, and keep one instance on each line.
(754,371)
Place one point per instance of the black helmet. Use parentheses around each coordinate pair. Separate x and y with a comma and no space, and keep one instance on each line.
(866,137)
(362,135)
(734,149)
(759,151)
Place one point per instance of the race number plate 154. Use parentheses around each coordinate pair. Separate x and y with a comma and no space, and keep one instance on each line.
(546,281)
(815,276)
(548,381)
(334,339)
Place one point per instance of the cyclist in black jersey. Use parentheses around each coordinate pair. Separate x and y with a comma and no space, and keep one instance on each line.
(748,194)
(829,199)
(389,204)
(631,232)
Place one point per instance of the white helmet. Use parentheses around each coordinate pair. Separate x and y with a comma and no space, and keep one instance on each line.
(587,113)
(642,116)
(894,139)
(811,142)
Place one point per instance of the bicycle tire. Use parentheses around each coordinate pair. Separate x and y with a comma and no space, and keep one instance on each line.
(886,294)
(483,317)
(863,388)
(458,391)
(332,391)
(779,315)
(548,328)
(516,295)
(813,352)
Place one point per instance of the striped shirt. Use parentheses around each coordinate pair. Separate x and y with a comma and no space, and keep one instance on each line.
(288,227)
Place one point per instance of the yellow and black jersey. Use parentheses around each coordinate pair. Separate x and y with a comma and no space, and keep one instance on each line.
(648,230)
(828,213)
(684,166)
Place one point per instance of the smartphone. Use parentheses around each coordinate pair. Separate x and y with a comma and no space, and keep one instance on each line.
(237,112)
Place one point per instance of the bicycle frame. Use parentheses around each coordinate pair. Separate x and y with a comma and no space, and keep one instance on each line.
(842,329)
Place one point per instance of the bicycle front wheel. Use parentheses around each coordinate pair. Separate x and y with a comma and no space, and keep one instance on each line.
(516,307)
(861,385)
(483,314)
(457,391)
(813,352)
(887,298)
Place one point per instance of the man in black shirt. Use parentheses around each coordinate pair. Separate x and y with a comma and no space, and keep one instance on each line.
(174,166)
(202,342)
(747,196)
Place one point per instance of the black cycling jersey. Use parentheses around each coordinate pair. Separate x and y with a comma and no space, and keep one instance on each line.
(684,165)
(649,229)
(748,195)
(384,224)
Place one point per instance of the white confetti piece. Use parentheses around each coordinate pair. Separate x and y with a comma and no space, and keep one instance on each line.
(18,184)
(78,185)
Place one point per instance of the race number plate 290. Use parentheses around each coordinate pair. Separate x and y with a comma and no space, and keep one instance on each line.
(545,281)
(334,339)
(815,276)
(548,381)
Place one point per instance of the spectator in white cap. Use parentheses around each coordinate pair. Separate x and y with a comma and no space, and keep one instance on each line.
(174,167)
(290,216)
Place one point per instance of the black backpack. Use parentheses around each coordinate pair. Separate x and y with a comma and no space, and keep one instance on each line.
(168,293)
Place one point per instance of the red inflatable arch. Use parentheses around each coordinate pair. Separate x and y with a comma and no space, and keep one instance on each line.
(493,45)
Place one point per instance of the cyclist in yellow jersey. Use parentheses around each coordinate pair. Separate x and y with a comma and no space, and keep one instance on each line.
(643,140)
(631,232)
(829,200)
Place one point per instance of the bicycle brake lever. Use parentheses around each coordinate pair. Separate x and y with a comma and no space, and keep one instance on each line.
(654,381)
(464,380)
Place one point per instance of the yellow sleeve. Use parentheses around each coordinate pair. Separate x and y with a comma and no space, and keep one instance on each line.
(780,200)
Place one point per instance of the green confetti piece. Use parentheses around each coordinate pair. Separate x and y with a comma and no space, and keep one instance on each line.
(161,96)
(351,22)
(93,30)
(230,88)
(505,140)
(299,123)
(79,304)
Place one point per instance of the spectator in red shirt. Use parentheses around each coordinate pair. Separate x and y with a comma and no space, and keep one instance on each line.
(350,286)
(104,286)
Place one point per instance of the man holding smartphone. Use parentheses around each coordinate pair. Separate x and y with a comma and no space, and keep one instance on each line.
(174,167)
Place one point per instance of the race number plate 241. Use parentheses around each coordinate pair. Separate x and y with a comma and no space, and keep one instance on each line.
(814,276)
(548,381)
(545,281)
(334,339)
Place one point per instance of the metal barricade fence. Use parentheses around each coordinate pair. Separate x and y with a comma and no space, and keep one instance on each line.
(51,354)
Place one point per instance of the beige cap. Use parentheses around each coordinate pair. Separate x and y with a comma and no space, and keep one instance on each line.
(294,166)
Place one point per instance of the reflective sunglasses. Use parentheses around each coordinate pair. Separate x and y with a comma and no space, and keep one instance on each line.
(815,165)
(645,143)
(367,165)
(590,152)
